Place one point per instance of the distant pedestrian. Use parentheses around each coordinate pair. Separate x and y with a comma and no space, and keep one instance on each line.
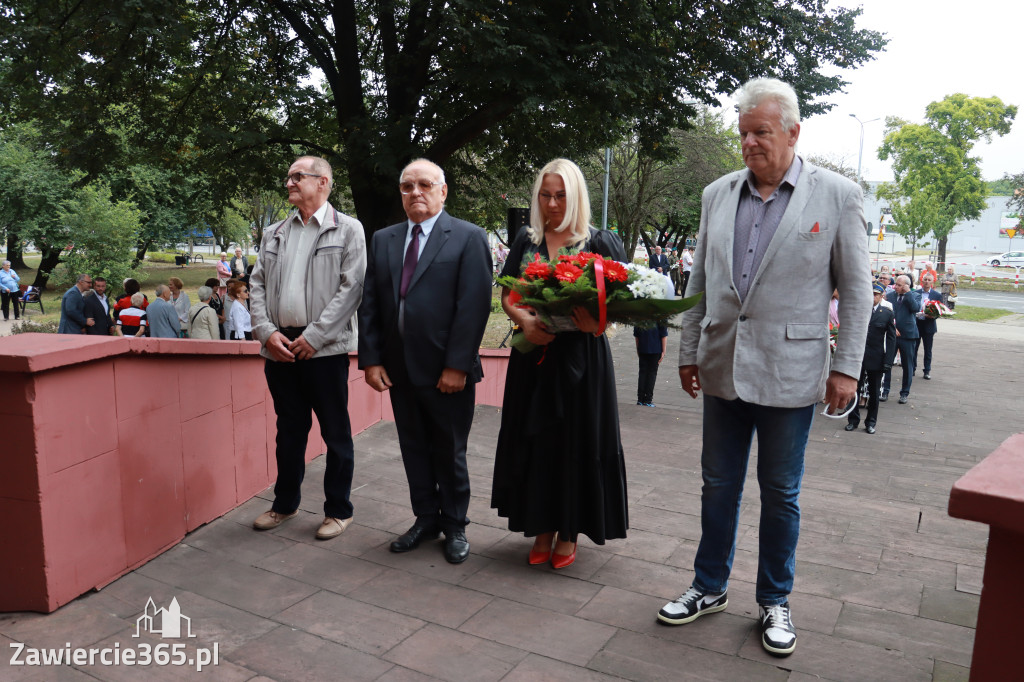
(202,318)
(879,352)
(650,350)
(223,273)
(163,318)
(180,301)
(10,290)
(131,321)
(239,323)
(72,308)
(98,309)
(950,280)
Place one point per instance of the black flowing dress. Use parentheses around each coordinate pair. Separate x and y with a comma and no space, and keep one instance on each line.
(559,465)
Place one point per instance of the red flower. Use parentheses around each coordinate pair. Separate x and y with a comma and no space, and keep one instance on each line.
(615,271)
(567,272)
(514,297)
(584,257)
(537,269)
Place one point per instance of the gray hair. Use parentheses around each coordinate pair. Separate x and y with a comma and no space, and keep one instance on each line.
(160,289)
(81,277)
(320,166)
(138,299)
(903,279)
(205,293)
(440,171)
(6,262)
(759,90)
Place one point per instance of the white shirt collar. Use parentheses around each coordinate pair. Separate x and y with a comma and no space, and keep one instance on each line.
(427,225)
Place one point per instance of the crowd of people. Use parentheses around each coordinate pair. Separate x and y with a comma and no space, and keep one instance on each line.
(88,308)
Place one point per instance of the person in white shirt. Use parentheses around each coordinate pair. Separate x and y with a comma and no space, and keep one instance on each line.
(239,322)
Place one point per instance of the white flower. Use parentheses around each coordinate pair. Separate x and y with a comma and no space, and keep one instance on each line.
(648,284)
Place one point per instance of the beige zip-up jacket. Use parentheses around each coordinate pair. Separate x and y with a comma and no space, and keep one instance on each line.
(334,284)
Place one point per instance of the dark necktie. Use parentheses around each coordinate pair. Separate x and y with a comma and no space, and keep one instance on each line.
(412,256)
(899,299)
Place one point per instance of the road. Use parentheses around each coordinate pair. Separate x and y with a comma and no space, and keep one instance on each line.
(1004,300)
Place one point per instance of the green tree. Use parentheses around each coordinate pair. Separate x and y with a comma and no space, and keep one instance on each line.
(32,187)
(1015,190)
(837,164)
(104,233)
(512,83)
(934,159)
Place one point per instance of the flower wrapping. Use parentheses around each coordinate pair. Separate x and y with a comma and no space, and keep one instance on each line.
(634,294)
(936,309)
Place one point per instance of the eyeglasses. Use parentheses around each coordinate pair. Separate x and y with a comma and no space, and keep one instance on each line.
(297,177)
(424,186)
(545,197)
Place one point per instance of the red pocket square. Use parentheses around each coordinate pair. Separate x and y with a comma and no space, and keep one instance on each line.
(815,228)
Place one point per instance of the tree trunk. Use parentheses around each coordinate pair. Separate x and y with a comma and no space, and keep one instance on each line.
(941,265)
(377,200)
(140,252)
(14,252)
(51,259)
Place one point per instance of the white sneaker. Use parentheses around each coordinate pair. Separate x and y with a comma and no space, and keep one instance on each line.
(691,605)
(778,636)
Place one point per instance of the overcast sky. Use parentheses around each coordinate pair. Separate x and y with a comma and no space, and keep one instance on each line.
(935,49)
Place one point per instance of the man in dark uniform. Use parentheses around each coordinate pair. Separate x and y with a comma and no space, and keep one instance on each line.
(879,352)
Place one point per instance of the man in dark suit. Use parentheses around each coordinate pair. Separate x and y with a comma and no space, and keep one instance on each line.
(72,307)
(659,261)
(879,352)
(426,300)
(905,304)
(926,326)
(97,308)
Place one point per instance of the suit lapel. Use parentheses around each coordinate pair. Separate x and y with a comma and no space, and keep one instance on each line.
(726,218)
(793,218)
(438,236)
(396,257)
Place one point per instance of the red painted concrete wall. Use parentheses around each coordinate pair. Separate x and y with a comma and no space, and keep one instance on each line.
(992,492)
(116,448)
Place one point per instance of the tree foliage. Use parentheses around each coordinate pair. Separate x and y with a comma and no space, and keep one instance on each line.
(655,195)
(1015,191)
(104,231)
(932,161)
(371,84)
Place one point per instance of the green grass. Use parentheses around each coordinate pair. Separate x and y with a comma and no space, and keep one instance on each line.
(975,314)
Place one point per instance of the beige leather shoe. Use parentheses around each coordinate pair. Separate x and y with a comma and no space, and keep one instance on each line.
(271,519)
(332,527)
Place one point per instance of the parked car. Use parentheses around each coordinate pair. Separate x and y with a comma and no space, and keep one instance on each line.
(1013,258)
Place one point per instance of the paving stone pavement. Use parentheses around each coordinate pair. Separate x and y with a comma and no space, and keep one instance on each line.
(886,589)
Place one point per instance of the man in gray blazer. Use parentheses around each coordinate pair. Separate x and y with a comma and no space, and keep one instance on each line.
(72,308)
(759,347)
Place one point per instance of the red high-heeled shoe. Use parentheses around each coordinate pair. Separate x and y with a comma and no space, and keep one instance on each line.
(538,557)
(562,560)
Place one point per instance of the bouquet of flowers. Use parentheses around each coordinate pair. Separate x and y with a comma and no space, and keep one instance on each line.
(609,290)
(936,309)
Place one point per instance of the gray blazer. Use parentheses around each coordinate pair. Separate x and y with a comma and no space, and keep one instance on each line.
(773,347)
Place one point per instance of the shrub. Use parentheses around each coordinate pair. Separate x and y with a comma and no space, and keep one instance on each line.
(30,327)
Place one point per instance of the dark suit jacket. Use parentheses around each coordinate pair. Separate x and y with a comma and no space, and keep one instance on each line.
(72,312)
(94,309)
(928,325)
(660,262)
(446,306)
(880,349)
(906,313)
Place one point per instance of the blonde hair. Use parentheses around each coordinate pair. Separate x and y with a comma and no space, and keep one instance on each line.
(577,202)
(176,281)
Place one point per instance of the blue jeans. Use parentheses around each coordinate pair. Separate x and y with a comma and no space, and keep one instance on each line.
(729,427)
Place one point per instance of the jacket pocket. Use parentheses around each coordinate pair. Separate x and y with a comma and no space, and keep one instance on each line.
(797,330)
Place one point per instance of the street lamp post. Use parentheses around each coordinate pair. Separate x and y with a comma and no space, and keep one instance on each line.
(860,154)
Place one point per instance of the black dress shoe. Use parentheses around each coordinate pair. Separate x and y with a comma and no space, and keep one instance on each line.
(413,537)
(851,426)
(456,547)
(904,399)
(870,428)
(927,375)
(882,398)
